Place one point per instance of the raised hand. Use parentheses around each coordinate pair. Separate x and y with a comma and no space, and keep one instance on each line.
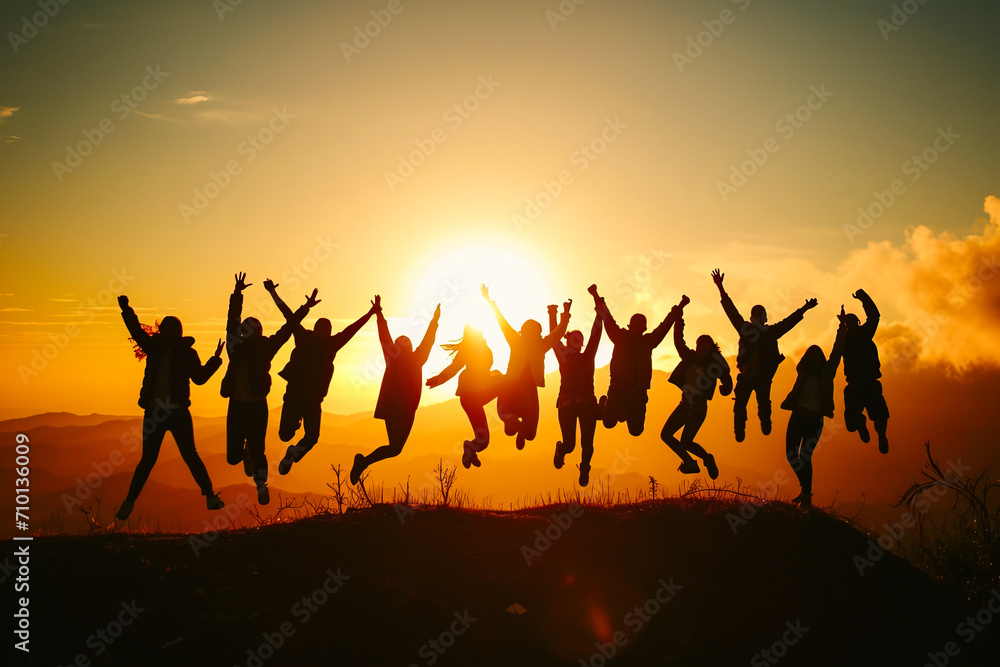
(241,283)
(485,291)
(566,305)
(842,316)
(810,303)
(218,350)
(123,301)
(311,299)
(717,277)
(860,294)
(593,290)
(437,312)
(684,301)
(377,304)
(433,382)
(270,285)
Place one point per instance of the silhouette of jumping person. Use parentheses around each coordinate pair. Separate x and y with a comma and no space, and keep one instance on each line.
(308,374)
(248,381)
(478,384)
(517,402)
(757,358)
(696,375)
(631,366)
(399,395)
(810,400)
(576,402)
(171,365)
(863,370)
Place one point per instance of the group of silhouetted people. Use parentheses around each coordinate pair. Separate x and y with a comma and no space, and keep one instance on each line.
(172,363)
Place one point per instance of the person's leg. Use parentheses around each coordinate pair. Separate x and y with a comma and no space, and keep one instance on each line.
(529,413)
(854,404)
(507,407)
(744,387)
(256,426)
(291,415)
(182,428)
(567,425)
(812,431)
(673,424)
(153,431)
(397,428)
(692,423)
(794,435)
(476,412)
(614,408)
(636,412)
(235,433)
(587,415)
(763,388)
(878,412)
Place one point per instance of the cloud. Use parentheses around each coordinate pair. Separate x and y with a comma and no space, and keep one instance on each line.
(194,97)
(7,112)
(16,310)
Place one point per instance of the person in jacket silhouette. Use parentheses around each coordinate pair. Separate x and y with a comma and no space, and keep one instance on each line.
(863,370)
(517,403)
(810,400)
(697,374)
(478,384)
(758,358)
(399,394)
(577,403)
(308,374)
(171,365)
(248,381)
(631,367)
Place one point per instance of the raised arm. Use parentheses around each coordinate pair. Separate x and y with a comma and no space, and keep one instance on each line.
(614,331)
(837,353)
(657,335)
(508,331)
(293,321)
(200,374)
(457,364)
(735,318)
(348,333)
(595,337)
(235,314)
(560,330)
(785,325)
(424,349)
(135,329)
(272,289)
(871,312)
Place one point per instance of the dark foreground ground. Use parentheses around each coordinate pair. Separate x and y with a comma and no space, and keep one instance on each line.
(663,584)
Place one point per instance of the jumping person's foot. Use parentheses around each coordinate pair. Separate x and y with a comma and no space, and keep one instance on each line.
(883,443)
(713,470)
(690,467)
(584,474)
(467,454)
(741,433)
(359,467)
(863,432)
(475,459)
(560,457)
(263,495)
(519,442)
(214,502)
(125,510)
(805,500)
(285,465)
(765,426)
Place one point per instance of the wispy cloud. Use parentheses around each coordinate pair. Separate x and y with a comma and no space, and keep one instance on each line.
(194,97)
(7,112)
(16,310)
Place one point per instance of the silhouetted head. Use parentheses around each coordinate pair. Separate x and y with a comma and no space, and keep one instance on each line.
(531,329)
(404,344)
(471,336)
(170,327)
(574,341)
(705,345)
(812,361)
(323,327)
(852,320)
(758,314)
(637,323)
(251,328)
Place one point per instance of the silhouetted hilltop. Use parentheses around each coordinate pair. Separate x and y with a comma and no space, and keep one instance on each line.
(670,583)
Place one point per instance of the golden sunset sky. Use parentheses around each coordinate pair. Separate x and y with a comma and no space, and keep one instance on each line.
(157,149)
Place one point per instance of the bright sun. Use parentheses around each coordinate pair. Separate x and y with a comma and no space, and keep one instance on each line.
(453,279)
